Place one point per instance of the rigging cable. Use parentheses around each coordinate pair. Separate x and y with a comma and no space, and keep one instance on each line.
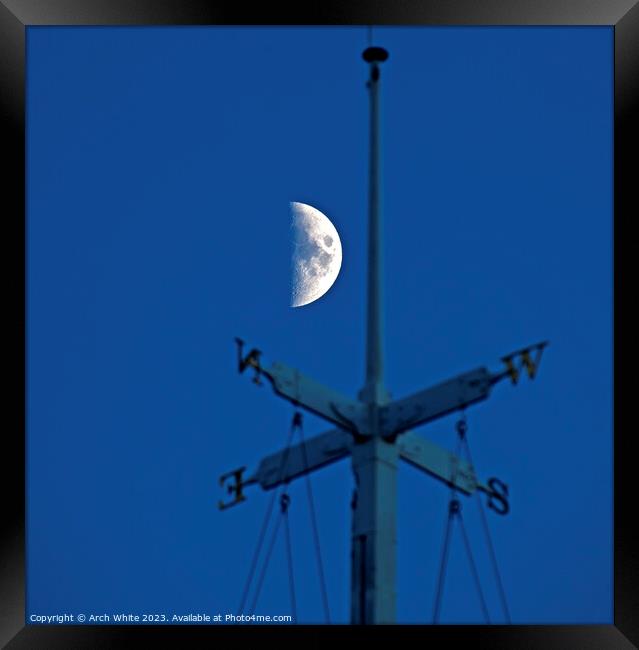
(296,425)
(311,507)
(473,568)
(442,567)
(260,581)
(452,504)
(285,501)
(265,523)
(454,511)
(491,548)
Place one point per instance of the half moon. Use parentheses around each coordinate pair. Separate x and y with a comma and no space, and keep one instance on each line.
(317,254)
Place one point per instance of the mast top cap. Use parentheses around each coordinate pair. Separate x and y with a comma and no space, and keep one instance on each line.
(374,54)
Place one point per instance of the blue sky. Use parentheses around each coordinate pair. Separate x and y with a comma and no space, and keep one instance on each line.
(161,164)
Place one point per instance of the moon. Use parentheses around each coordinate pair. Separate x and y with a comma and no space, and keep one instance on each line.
(317,254)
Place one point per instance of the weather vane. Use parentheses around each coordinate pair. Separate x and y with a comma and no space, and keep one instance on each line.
(375,431)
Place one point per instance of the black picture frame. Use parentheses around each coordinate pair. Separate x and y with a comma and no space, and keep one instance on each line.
(17,15)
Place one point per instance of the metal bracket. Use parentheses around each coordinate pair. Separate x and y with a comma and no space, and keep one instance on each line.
(233,488)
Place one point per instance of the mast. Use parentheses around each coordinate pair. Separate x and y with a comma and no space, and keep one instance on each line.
(374,525)
(374,392)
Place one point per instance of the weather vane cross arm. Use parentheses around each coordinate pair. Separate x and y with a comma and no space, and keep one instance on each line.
(455,472)
(303,458)
(457,393)
(289,463)
(438,462)
(305,392)
(435,402)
